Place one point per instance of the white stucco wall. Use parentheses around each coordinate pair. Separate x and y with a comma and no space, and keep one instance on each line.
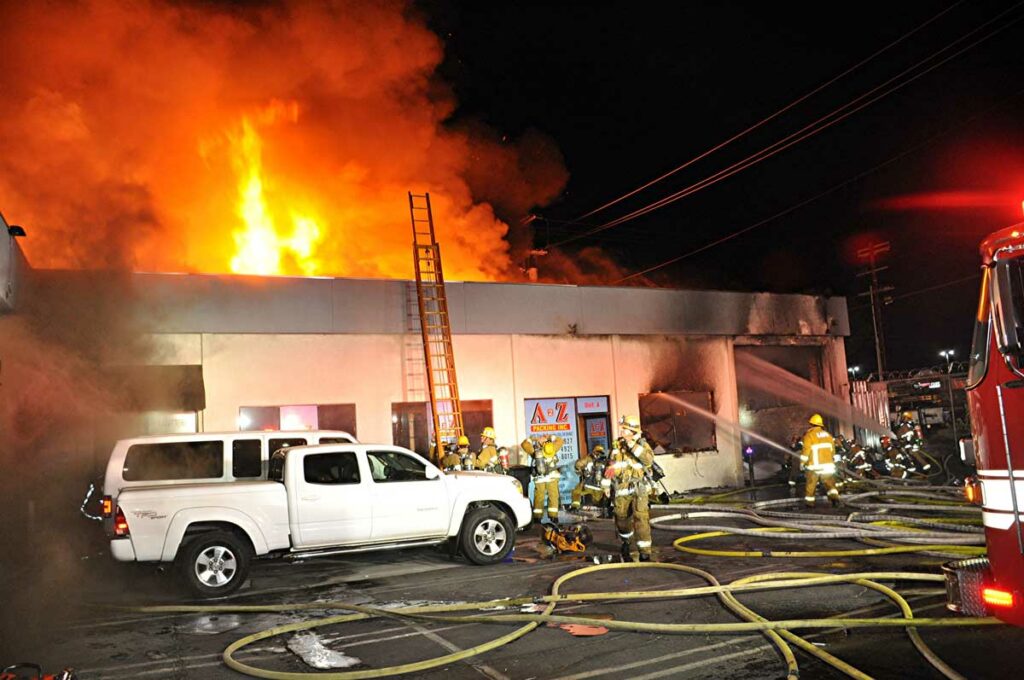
(367,370)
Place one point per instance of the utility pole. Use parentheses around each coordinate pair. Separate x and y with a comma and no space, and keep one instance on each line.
(870,254)
(947,354)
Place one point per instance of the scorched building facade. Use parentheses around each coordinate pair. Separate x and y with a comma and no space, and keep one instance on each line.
(252,353)
(295,353)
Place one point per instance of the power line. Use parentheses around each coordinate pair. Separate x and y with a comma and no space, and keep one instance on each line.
(828,191)
(920,291)
(808,130)
(771,117)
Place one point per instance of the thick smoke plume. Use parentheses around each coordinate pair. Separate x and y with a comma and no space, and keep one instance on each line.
(170,127)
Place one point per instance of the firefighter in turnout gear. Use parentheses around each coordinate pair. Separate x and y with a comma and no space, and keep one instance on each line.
(897,462)
(590,469)
(544,457)
(910,440)
(466,457)
(843,453)
(630,471)
(488,460)
(452,460)
(857,459)
(818,457)
(795,445)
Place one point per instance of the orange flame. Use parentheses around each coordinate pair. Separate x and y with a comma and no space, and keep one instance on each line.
(110,100)
(261,247)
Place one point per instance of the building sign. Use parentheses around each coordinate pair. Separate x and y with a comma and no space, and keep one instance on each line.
(597,433)
(592,404)
(556,417)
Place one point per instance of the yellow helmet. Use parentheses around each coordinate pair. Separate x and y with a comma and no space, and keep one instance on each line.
(631,423)
(816,419)
(488,433)
(597,449)
(549,449)
(463,440)
(907,415)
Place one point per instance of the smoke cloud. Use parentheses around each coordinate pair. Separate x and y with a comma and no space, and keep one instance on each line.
(148,124)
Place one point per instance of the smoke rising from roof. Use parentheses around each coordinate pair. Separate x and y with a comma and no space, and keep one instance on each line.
(121,119)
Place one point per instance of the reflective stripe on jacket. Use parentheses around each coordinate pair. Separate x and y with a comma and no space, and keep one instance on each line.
(818,450)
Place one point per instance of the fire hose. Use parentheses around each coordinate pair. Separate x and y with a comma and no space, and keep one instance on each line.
(778,632)
(872,523)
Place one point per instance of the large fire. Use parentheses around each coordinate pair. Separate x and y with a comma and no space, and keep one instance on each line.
(260,245)
(263,138)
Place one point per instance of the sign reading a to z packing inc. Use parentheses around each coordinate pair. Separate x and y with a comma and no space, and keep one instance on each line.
(556,417)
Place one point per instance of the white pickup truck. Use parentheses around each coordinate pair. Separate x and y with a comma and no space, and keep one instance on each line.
(317,500)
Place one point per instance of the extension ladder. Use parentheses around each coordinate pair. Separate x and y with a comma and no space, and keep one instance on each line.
(435,327)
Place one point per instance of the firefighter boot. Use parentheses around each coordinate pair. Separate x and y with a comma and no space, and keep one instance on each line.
(624,551)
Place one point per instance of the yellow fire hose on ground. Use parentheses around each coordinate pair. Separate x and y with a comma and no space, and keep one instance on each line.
(779,632)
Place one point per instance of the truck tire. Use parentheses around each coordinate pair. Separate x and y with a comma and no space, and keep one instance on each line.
(215,564)
(487,535)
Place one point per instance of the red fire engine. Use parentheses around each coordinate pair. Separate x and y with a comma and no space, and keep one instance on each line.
(995,396)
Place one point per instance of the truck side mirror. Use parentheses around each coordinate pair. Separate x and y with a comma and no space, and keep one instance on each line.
(1007,292)
(432,472)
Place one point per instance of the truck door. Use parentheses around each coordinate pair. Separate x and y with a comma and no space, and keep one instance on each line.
(406,503)
(329,500)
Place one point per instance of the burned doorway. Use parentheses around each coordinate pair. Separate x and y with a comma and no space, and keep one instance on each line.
(774,384)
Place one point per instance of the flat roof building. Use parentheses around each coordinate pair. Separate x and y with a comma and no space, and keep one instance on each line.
(290,353)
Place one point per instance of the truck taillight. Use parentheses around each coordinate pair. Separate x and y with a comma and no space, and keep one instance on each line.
(972,491)
(997,598)
(107,506)
(120,523)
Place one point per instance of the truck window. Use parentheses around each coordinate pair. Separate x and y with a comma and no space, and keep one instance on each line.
(331,468)
(981,339)
(174,460)
(391,466)
(245,458)
(276,444)
(335,440)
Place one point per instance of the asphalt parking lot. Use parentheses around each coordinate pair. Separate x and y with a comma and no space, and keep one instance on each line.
(102,637)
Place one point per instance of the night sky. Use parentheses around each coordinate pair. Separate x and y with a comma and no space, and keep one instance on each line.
(629,93)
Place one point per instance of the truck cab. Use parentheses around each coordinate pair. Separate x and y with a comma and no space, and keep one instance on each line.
(995,397)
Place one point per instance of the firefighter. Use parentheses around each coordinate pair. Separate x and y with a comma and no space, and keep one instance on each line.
(897,462)
(466,457)
(843,453)
(858,460)
(488,460)
(818,458)
(591,473)
(452,460)
(544,457)
(630,470)
(795,445)
(909,435)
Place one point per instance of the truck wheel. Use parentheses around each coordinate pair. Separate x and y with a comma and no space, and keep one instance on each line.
(215,564)
(487,535)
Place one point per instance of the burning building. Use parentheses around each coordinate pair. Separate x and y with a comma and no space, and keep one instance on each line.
(250,352)
(262,152)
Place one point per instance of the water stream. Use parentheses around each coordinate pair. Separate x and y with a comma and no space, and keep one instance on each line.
(767,377)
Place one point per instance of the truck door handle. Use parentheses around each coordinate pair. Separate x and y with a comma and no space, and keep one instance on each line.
(309,498)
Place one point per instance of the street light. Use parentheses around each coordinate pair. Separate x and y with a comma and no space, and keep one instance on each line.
(853,371)
(947,354)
